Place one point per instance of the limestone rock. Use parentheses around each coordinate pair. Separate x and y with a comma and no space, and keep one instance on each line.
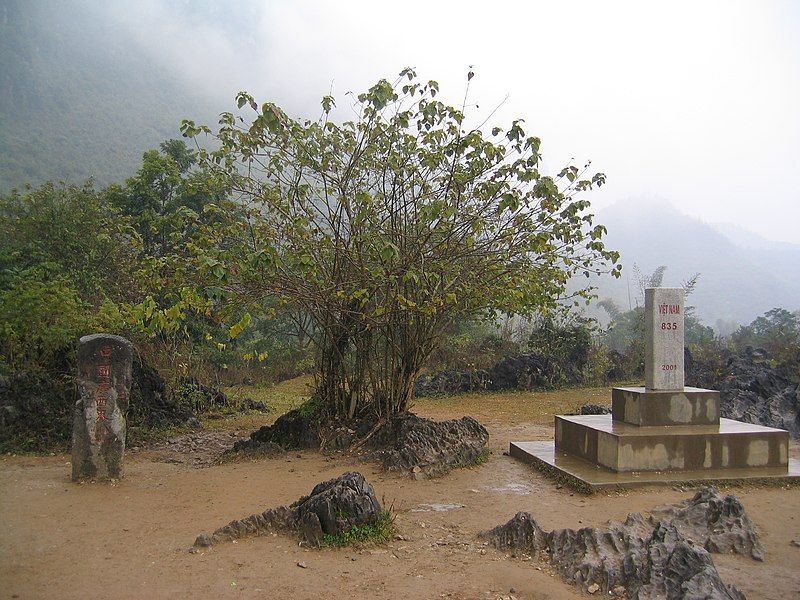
(452,382)
(677,569)
(151,404)
(333,507)
(521,532)
(291,431)
(433,446)
(660,556)
(340,503)
(524,371)
(608,558)
(752,390)
(716,522)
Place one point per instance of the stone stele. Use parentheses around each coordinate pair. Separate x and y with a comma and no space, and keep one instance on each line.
(664,332)
(104,383)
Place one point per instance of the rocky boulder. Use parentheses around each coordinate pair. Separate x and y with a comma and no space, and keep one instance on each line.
(295,430)
(333,508)
(522,532)
(716,522)
(751,389)
(422,447)
(452,382)
(523,372)
(428,448)
(665,555)
(151,404)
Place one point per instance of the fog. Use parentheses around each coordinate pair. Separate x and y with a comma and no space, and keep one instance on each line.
(692,102)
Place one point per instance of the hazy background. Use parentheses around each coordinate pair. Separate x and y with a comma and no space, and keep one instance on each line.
(690,108)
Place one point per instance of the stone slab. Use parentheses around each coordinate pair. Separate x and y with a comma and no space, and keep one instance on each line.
(586,476)
(664,335)
(691,406)
(99,427)
(621,446)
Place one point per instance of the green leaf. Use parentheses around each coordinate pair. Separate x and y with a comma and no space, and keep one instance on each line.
(240,326)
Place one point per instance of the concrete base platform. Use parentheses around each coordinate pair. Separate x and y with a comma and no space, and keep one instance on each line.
(586,476)
(689,406)
(621,446)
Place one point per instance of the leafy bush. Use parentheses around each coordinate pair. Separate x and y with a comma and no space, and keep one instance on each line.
(777,332)
(565,343)
(36,412)
(471,345)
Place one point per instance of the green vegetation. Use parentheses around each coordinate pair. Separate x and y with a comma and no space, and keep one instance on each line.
(480,459)
(777,331)
(386,231)
(356,254)
(79,98)
(380,531)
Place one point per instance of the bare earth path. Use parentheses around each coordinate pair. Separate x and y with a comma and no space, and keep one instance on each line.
(131,540)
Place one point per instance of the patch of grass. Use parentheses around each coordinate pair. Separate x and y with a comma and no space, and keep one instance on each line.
(512,406)
(481,458)
(380,531)
(138,435)
(281,397)
(475,462)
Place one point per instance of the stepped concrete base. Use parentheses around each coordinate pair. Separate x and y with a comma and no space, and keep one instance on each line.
(624,447)
(589,477)
(690,406)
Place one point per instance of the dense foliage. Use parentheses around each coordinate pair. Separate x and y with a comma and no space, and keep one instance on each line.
(365,252)
(389,229)
(79,98)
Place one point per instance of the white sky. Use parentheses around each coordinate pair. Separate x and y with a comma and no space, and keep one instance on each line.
(694,102)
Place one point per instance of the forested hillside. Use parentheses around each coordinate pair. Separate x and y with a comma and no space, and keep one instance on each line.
(77,98)
(737,281)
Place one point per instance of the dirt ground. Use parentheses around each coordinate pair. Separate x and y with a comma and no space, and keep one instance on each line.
(131,539)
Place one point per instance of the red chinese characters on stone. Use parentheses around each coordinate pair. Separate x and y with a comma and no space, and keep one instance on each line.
(101,395)
(103,390)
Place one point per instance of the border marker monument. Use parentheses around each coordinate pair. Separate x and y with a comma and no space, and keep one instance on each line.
(663,432)
(104,384)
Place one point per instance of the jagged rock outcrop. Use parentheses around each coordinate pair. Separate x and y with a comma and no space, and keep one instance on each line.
(151,403)
(523,372)
(191,392)
(521,532)
(665,555)
(332,507)
(423,447)
(595,409)
(751,389)
(294,430)
(452,382)
(716,522)
(428,448)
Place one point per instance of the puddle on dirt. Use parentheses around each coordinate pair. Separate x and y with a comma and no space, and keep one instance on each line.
(511,488)
(436,507)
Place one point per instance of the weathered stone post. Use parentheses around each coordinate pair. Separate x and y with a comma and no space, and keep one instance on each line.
(104,383)
(664,332)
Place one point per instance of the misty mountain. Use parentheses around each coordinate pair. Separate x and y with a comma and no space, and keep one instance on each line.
(79,97)
(742,275)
